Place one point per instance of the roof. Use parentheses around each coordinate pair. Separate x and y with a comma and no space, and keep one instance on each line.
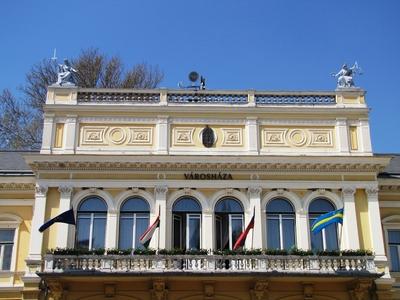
(13,163)
(393,169)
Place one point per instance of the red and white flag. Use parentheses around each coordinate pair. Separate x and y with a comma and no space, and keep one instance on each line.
(145,238)
(242,237)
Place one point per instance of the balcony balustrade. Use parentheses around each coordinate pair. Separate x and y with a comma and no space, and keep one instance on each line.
(313,265)
(167,97)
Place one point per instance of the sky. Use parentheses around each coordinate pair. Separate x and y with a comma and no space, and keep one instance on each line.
(262,45)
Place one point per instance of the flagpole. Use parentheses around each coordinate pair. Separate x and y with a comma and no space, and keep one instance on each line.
(158,235)
(252,234)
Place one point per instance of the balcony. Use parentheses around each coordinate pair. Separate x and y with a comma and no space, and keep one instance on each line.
(210,264)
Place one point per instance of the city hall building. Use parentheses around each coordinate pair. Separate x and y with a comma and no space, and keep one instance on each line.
(200,165)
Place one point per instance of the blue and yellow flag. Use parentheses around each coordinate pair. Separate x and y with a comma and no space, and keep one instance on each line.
(324,220)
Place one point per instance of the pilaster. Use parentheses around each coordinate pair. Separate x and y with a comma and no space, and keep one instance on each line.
(365,136)
(302,230)
(111,230)
(48,133)
(206,228)
(33,261)
(342,135)
(350,238)
(375,224)
(252,135)
(65,204)
(70,134)
(162,135)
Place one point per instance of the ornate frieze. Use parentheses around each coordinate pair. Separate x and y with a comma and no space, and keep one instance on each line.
(297,137)
(10,186)
(114,135)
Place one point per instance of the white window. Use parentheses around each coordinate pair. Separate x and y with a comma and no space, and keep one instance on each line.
(186,224)
(228,222)
(6,248)
(91,223)
(133,222)
(9,230)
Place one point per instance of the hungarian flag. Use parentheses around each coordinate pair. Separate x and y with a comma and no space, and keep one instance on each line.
(66,217)
(145,238)
(242,237)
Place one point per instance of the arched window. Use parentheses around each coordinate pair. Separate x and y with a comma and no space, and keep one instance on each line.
(91,223)
(280,224)
(327,238)
(186,213)
(133,222)
(228,222)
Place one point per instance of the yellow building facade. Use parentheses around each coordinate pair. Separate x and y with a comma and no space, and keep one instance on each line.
(205,164)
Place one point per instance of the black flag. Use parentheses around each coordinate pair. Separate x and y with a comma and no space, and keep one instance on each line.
(66,217)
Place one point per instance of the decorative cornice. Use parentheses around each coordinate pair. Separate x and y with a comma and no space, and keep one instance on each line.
(11,186)
(208,166)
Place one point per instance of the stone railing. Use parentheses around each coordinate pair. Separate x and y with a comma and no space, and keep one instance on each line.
(210,263)
(166,97)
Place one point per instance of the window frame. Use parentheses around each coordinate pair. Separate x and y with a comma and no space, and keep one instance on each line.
(323,231)
(390,223)
(92,217)
(14,222)
(280,217)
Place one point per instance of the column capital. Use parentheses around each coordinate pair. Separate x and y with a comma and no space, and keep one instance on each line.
(41,190)
(372,191)
(348,191)
(161,189)
(65,190)
(254,191)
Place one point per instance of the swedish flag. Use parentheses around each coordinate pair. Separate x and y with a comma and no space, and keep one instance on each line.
(324,220)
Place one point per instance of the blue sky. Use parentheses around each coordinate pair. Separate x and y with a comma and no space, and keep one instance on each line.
(265,45)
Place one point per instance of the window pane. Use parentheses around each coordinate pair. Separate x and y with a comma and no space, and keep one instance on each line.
(273,241)
(135,204)
(99,232)
(186,204)
(228,205)
(394,236)
(125,232)
(177,231)
(7,235)
(288,233)
(279,206)
(141,225)
(194,232)
(394,259)
(320,205)
(237,227)
(7,257)
(83,228)
(93,204)
(316,239)
(331,237)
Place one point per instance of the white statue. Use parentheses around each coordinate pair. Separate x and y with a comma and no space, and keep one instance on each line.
(345,75)
(66,74)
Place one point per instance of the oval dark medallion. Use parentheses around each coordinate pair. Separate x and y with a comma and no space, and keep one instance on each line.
(208,137)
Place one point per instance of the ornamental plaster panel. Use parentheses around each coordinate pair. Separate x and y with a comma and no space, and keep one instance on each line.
(297,137)
(232,137)
(115,136)
(183,136)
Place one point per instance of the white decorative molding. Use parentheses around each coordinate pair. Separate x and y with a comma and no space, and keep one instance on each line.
(203,121)
(143,135)
(372,191)
(183,136)
(254,191)
(348,191)
(65,190)
(232,137)
(103,119)
(161,189)
(321,138)
(93,135)
(297,137)
(297,122)
(116,135)
(41,190)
